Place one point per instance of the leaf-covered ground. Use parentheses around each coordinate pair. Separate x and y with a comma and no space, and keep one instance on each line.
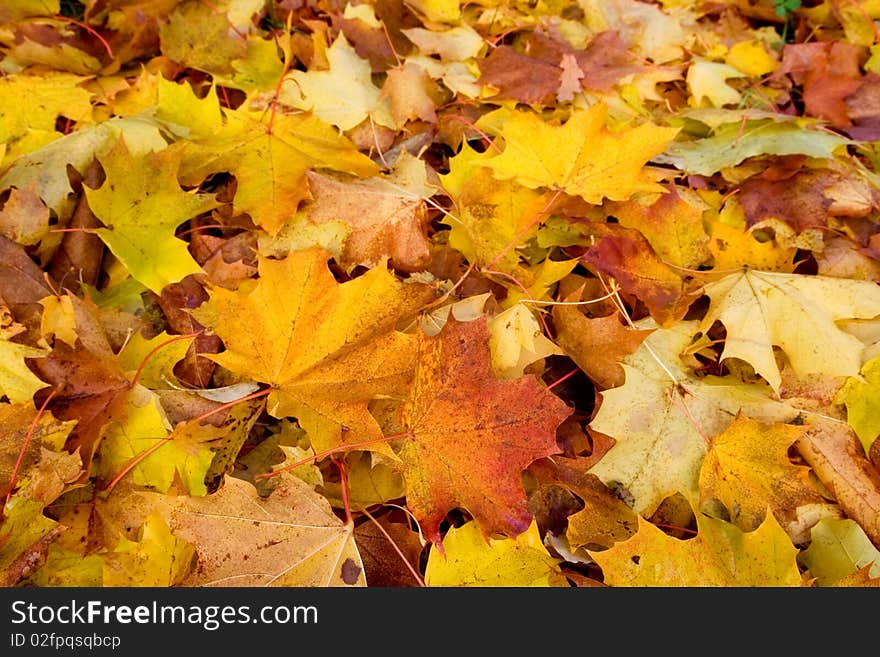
(423,292)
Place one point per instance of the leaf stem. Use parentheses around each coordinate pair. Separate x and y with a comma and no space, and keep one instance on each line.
(396,548)
(333,450)
(534,222)
(561,379)
(88,29)
(24,446)
(137,458)
(155,349)
(343,487)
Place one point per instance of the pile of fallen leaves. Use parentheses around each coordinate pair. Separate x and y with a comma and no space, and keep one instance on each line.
(426,292)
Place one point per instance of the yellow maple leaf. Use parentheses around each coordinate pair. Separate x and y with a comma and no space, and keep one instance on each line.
(663,417)
(31,104)
(270,162)
(157,558)
(748,470)
(343,96)
(471,560)
(720,555)
(141,204)
(16,381)
(797,313)
(491,217)
(581,157)
(839,548)
(327,349)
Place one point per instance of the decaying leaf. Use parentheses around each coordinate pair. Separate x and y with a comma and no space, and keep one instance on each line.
(291,538)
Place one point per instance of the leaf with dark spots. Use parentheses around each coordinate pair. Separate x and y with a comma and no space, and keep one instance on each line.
(237,424)
(290,538)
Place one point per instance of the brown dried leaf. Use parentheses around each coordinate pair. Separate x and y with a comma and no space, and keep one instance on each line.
(834,452)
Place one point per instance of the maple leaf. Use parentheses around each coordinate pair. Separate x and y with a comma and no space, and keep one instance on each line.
(538,154)
(154,358)
(829,72)
(734,142)
(720,555)
(455,44)
(326,348)
(604,518)
(663,418)
(31,104)
(291,538)
(806,198)
(375,31)
(468,559)
(387,222)
(672,225)
(88,382)
(753,57)
(655,33)
(626,255)
(185,113)
(44,471)
(24,218)
(135,27)
(25,534)
(382,567)
(15,422)
(734,246)
(597,345)
(47,166)
(270,162)
(795,312)
(520,77)
(516,341)
(156,558)
(202,37)
(344,95)
(463,451)
(410,93)
(17,382)
(708,80)
(748,470)
(141,204)
(490,214)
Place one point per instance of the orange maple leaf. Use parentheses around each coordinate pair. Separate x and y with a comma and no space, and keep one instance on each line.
(327,349)
(473,434)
